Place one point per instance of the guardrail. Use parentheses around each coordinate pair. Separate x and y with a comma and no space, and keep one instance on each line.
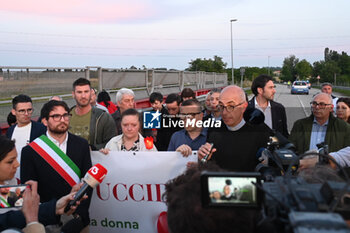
(47,81)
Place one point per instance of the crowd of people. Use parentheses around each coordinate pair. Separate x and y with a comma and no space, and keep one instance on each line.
(64,136)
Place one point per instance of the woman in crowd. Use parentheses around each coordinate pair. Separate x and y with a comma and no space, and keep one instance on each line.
(104,99)
(8,161)
(130,139)
(343,109)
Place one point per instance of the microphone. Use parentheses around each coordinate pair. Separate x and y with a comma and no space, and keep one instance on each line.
(205,158)
(92,178)
(254,116)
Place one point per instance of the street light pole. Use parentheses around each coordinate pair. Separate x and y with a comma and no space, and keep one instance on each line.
(232,75)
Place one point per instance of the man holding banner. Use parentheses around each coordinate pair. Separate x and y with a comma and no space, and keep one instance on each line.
(57,161)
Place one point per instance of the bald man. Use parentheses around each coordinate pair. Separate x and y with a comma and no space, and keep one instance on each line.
(236,142)
(320,126)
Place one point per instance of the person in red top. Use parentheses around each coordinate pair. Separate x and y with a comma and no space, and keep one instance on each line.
(104,99)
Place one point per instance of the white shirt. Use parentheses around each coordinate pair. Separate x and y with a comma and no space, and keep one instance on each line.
(267,112)
(62,146)
(21,135)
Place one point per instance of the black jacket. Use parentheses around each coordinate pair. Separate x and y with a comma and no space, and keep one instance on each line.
(278,115)
(15,218)
(50,183)
(38,129)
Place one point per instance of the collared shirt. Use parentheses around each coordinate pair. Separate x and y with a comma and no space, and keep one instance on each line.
(267,112)
(182,137)
(215,118)
(318,134)
(62,146)
(237,127)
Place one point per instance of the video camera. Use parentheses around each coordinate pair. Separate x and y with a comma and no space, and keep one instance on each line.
(287,203)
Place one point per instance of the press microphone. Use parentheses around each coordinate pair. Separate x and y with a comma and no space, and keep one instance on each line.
(205,158)
(92,178)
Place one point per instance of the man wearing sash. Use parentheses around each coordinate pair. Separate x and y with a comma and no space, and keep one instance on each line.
(57,161)
(5,199)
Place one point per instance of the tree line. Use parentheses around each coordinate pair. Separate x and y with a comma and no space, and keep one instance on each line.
(335,68)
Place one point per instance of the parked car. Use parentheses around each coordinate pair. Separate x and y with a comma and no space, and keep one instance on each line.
(299,87)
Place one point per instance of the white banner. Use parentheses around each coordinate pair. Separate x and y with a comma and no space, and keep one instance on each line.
(130,197)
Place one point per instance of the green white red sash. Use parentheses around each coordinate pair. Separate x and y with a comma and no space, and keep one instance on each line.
(57,159)
(4,203)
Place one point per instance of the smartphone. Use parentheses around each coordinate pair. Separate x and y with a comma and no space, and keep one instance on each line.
(230,189)
(12,195)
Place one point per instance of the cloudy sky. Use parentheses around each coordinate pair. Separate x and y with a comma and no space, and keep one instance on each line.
(169,33)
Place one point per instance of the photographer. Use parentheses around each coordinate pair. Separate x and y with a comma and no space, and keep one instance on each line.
(186,214)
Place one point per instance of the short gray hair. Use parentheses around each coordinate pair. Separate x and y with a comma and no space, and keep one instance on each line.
(122,92)
(325,94)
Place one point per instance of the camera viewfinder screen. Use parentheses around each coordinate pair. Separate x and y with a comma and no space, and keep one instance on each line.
(232,190)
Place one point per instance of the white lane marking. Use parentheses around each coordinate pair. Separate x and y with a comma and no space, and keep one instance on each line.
(302,105)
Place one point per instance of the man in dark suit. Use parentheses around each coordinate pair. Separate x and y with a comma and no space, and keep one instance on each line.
(264,90)
(25,130)
(55,179)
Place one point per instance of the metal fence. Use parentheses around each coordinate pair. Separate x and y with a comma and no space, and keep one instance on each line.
(48,81)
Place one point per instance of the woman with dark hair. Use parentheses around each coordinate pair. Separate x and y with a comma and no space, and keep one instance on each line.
(343,109)
(8,161)
(130,139)
(104,99)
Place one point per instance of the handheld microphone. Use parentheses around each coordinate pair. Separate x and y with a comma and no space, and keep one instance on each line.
(205,158)
(92,178)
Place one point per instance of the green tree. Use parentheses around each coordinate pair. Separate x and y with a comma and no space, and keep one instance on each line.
(208,65)
(303,69)
(344,63)
(288,70)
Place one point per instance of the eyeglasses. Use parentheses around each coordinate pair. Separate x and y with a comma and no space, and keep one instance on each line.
(189,115)
(321,105)
(229,108)
(58,117)
(24,111)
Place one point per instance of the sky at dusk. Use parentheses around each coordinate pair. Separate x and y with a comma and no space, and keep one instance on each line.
(125,33)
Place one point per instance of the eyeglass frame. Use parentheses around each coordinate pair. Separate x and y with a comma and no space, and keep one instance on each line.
(24,111)
(65,117)
(232,107)
(321,105)
(189,115)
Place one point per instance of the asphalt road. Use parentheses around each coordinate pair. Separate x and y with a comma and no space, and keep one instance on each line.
(297,106)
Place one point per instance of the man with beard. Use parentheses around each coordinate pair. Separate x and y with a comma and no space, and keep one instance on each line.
(213,103)
(57,161)
(88,122)
(5,199)
(264,91)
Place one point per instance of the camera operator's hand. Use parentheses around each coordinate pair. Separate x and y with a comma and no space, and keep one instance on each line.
(204,150)
(31,200)
(185,150)
(307,162)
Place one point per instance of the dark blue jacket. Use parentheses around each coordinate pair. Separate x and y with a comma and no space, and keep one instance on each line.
(38,129)
(15,218)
